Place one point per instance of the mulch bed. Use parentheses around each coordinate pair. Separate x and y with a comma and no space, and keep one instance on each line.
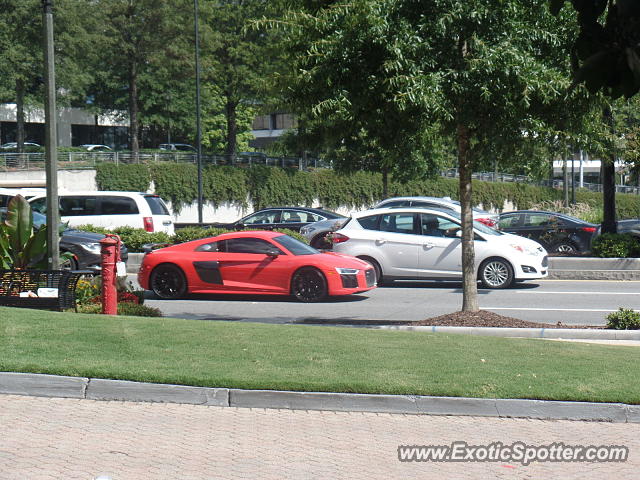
(484,318)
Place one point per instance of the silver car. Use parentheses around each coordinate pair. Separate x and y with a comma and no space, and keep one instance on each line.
(443,203)
(425,244)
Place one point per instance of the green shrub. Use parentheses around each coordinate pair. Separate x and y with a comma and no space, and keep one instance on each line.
(88,288)
(624,319)
(135,238)
(124,308)
(616,245)
(188,234)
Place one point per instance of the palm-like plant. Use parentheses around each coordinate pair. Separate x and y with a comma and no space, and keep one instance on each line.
(21,246)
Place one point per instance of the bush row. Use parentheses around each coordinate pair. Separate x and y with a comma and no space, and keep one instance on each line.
(265,186)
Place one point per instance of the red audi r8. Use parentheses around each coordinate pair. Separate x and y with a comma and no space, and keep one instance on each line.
(253,262)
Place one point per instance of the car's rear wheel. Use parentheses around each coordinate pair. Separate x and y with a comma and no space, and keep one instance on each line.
(376,266)
(565,248)
(496,273)
(309,285)
(168,282)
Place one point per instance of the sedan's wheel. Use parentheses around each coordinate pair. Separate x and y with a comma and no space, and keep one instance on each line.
(168,282)
(309,285)
(319,242)
(566,248)
(69,264)
(496,273)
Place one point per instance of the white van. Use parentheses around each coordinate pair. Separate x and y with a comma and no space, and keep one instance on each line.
(7,194)
(110,210)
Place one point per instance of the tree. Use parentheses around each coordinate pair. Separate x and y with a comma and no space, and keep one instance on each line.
(144,48)
(384,79)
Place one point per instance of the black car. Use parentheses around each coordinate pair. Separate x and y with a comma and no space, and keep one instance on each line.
(84,246)
(293,218)
(556,232)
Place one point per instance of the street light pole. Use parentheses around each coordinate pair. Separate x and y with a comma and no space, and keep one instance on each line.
(51,142)
(198,125)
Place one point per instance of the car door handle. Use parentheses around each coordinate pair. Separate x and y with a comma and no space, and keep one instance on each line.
(428,245)
(380,241)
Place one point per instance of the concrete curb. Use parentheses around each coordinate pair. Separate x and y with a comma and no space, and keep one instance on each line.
(564,333)
(12,383)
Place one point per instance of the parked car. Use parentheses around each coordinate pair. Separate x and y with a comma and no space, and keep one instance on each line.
(293,218)
(84,246)
(14,145)
(425,244)
(90,147)
(253,262)
(316,232)
(180,147)
(482,216)
(557,232)
(110,210)
(7,194)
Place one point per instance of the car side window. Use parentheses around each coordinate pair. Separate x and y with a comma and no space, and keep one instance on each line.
(39,205)
(509,221)
(118,206)
(77,206)
(537,220)
(293,216)
(250,245)
(437,226)
(369,223)
(211,247)
(397,222)
(270,216)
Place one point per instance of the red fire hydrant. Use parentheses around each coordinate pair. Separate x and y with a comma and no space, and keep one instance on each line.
(110,253)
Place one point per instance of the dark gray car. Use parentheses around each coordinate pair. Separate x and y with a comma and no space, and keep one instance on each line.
(84,246)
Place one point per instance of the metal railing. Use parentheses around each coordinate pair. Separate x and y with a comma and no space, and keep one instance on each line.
(88,160)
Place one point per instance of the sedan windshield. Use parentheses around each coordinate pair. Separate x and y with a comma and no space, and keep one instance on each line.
(296,247)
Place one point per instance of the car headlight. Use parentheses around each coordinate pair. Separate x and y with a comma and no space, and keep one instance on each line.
(347,271)
(92,247)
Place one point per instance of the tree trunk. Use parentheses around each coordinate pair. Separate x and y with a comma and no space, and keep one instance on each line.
(469,278)
(134,146)
(232,127)
(20,115)
(608,178)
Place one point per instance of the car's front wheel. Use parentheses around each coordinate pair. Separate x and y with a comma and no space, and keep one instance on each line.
(496,273)
(168,282)
(565,248)
(309,285)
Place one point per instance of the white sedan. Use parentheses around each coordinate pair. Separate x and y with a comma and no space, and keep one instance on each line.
(425,244)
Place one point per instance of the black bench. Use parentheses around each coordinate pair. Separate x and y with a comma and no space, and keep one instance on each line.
(44,289)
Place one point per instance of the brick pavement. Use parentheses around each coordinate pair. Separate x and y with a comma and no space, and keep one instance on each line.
(56,438)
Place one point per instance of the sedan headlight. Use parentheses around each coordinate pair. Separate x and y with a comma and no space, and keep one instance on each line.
(347,271)
(92,247)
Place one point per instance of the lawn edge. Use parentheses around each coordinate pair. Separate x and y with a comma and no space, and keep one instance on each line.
(39,385)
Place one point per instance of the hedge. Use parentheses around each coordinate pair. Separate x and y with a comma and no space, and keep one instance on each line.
(265,186)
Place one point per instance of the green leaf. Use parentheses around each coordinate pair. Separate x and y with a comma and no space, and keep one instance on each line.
(19,222)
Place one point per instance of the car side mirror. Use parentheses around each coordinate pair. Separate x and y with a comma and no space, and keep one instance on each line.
(273,253)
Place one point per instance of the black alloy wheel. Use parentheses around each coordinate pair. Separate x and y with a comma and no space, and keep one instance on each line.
(309,285)
(168,282)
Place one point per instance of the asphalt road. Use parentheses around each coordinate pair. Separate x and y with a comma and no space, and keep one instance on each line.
(572,302)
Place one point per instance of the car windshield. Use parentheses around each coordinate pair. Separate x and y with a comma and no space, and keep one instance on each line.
(296,247)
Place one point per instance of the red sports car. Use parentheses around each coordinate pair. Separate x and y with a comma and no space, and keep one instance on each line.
(253,262)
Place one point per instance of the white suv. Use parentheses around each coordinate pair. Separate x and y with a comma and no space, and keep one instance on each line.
(110,210)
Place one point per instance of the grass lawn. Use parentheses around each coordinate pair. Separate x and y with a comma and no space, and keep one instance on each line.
(329,359)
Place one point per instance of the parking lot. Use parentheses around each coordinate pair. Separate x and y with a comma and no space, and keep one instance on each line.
(572,302)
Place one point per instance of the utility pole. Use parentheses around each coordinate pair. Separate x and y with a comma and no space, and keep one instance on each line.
(51,140)
(198,124)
